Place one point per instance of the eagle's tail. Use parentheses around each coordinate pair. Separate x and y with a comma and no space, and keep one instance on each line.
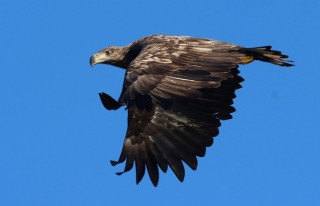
(265,54)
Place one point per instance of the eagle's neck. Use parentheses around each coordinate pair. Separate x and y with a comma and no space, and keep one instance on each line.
(128,54)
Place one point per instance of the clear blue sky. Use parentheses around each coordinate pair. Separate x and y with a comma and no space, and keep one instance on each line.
(56,139)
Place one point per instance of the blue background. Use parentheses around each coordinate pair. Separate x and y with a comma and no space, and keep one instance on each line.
(56,139)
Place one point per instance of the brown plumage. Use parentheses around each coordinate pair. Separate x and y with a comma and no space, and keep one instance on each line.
(177,90)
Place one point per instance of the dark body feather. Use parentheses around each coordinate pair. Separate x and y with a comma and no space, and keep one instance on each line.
(177,90)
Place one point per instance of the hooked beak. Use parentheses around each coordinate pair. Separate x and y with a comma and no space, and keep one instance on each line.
(93,60)
(98,58)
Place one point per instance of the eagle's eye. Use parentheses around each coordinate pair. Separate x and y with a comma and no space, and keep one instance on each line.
(108,52)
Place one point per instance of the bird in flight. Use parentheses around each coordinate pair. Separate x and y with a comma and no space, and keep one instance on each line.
(176,89)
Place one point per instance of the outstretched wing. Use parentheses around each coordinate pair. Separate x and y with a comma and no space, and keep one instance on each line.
(177,90)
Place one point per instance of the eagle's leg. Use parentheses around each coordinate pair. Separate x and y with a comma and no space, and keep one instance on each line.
(108,102)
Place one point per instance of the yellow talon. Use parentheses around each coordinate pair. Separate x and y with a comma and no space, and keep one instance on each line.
(246,59)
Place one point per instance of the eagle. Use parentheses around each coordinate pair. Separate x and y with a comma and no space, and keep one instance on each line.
(177,90)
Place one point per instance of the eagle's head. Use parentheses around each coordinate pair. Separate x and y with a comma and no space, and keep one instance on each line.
(111,55)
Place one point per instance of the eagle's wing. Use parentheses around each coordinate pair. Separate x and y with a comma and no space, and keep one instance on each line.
(177,92)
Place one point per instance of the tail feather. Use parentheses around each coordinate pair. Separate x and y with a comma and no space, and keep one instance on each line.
(265,54)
